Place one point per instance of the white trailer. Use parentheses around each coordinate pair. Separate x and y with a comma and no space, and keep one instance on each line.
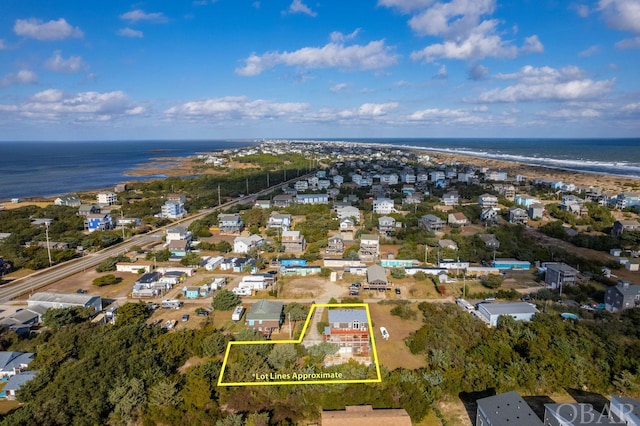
(255,282)
(213,263)
(237,313)
(171,304)
(242,291)
(218,283)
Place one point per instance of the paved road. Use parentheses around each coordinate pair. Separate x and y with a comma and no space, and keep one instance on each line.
(36,280)
(48,276)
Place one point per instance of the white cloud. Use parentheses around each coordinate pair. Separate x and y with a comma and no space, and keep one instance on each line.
(621,14)
(3,45)
(462,24)
(479,44)
(441,74)
(338,37)
(54,104)
(380,112)
(402,83)
(590,51)
(234,108)
(140,15)
(547,84)
(376,110)
(447,116)
(58,64)
(21,77)
(129,32)
(297,6)
(46,31)
(571,113)
(338,87)
(629,43)
(455,19)
(581,9)
(374,55)
(532,45)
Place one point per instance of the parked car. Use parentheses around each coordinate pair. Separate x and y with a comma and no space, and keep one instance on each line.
(354,293)
(202,313)
(185,317)
(398,291)
(384,332)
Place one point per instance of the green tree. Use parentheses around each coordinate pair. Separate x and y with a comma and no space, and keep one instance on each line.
(296,312)
(109,264)
(159,256)
(129,400)
(214,344)
(282,356)
(224,247)
(191,259)
(60,317)
(398,273)
(225,300)
(492,281)
(104,280)
(131,313)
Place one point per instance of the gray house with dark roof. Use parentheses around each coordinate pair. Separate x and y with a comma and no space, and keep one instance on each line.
(622,296)
(265,316)
(377,277)
(11,363)
(16,382)
(507,409)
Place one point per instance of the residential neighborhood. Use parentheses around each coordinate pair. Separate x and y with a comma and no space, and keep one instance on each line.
(414,236)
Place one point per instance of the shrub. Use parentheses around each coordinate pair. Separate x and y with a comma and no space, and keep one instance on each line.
(108,279)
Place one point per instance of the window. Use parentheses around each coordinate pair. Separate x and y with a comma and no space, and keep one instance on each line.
(356,325)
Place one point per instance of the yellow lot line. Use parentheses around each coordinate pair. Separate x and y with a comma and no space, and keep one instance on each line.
(378,378)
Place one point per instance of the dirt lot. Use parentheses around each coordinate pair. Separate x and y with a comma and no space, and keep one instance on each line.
(393,353)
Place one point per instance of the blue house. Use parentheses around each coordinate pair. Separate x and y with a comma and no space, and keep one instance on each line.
(230,223)
(193,292)
(99,222)
(398,263)
(522,265)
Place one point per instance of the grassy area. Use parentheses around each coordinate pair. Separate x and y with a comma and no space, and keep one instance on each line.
(7,406)
(393,353)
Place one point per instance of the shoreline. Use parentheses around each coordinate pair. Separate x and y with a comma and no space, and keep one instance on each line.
(165,167)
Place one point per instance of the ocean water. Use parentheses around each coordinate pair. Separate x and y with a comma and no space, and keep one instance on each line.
(604,156)
(32,169)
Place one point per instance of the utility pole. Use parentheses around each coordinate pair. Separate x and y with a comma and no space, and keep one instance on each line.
(268,180)
(122,220)
(247,186)
(219,199)
(46,233)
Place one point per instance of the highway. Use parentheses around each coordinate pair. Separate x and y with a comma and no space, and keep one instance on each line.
(43,278)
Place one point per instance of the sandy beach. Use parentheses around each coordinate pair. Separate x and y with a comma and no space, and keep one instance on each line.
(188,166)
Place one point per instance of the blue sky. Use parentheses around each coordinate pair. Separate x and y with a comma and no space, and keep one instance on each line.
(167,69)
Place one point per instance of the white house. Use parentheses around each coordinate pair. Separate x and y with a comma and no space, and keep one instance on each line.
(178,233)
(348,211)
(520,311)
(279,221)
(383,206)
(106,198)
(301,185)
(244,244)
